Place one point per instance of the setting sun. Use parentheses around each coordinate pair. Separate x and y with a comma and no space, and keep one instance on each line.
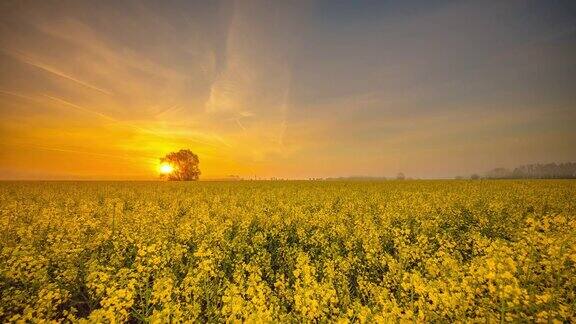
(166,169)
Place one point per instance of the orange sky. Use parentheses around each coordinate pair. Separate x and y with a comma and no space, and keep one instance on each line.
(94,90)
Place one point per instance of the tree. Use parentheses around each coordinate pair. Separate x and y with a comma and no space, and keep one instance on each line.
(400,176)
(184,165)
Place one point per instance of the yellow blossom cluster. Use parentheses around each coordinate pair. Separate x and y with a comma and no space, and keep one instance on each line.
(332,251)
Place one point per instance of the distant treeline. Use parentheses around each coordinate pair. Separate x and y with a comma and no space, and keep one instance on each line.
(355,178)
(536,171)
(399,176)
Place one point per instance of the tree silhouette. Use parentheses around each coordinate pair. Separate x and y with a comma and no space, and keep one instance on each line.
(184,164)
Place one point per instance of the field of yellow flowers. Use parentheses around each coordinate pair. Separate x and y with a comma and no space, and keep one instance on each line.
(291,251)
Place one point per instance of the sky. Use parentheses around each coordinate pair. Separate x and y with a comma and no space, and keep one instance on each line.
(288,89)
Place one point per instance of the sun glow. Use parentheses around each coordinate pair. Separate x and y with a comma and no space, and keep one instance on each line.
(166,168)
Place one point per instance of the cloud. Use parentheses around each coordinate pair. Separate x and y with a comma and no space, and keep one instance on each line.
(254,80)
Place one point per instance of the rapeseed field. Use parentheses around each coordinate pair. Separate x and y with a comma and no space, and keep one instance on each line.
(288,251)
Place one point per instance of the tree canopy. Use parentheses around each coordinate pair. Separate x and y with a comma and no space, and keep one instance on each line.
(185,165)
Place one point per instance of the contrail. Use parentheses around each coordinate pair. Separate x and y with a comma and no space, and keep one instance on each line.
(17,95)
(240,125)
(285,108)
(115,121)
(128,125)
(82,108)
(111,119)
(54,71)
(47,148)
